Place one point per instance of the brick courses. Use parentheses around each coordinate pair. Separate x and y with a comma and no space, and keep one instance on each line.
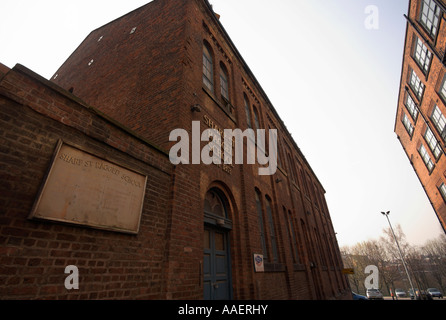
(34,114)
(121,92)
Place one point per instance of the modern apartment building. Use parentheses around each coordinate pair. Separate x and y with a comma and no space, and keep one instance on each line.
(421,115)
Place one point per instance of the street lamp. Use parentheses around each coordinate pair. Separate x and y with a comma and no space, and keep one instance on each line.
(401,254)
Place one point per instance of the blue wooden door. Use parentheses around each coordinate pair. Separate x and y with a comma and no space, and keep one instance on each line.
(216,265)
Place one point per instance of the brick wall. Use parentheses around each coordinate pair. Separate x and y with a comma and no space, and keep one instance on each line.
(148,80)
(131,74)
(34,254)
(303,206)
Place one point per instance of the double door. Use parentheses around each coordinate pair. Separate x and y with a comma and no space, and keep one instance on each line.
(216,265)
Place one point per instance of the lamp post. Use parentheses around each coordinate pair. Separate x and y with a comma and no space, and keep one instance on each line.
(401,254)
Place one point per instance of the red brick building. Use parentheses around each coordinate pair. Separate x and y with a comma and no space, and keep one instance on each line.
(109,111)
(420,120)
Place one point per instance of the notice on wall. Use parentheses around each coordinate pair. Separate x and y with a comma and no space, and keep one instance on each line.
(84,189)
(258,263)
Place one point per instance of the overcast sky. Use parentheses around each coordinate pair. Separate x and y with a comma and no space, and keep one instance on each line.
(333,81)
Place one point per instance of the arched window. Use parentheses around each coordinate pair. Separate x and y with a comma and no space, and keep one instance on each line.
(292,168)
(214,205)
(208,68)
(261,224)
(256,118)
(248,112)
(304,182)
(294,245)
(224,84)
(272,231)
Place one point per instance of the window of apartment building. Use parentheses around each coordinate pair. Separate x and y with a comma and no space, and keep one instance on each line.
(422,55)
(439,122)
(208,68)
(443,88)
(430,16)
(411,107)
(426,158)
(442,189)
(416,85)
(408,125)
(433,144)
(224,85)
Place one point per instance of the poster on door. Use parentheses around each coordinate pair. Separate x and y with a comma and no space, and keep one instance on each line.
(258,262)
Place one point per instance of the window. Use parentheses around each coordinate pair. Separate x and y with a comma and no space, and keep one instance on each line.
(279,154)
(422,56)
(443,88)
(317,199)
(292,233)
(432,143)
(272,230)
(409,127)
(256,119)
(411,107)
(328,245)
(213,204)
(304,182)
(292,169)
(430,16)
(426,158)
(416,85)
(320,248)
(439,122)
(224,83)
(442,189)
(248,113)
(261,224)
(208,73)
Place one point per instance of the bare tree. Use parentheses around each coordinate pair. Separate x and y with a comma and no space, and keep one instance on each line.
(435,253)
(365,254)
(350,262)
(426,264)
(397,271)
(389,242)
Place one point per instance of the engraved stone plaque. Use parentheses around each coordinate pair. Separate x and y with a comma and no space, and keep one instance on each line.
(84,189)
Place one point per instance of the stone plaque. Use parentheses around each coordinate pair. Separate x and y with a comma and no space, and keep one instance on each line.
(84,189)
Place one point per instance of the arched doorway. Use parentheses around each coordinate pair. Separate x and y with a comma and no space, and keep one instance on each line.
(217,259)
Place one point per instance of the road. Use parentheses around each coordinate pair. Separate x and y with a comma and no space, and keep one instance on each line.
(408,298)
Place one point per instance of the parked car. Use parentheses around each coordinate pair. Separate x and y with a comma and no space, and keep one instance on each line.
(434,292)
(400,293)
(420,295)
(358,296)
(374,294)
